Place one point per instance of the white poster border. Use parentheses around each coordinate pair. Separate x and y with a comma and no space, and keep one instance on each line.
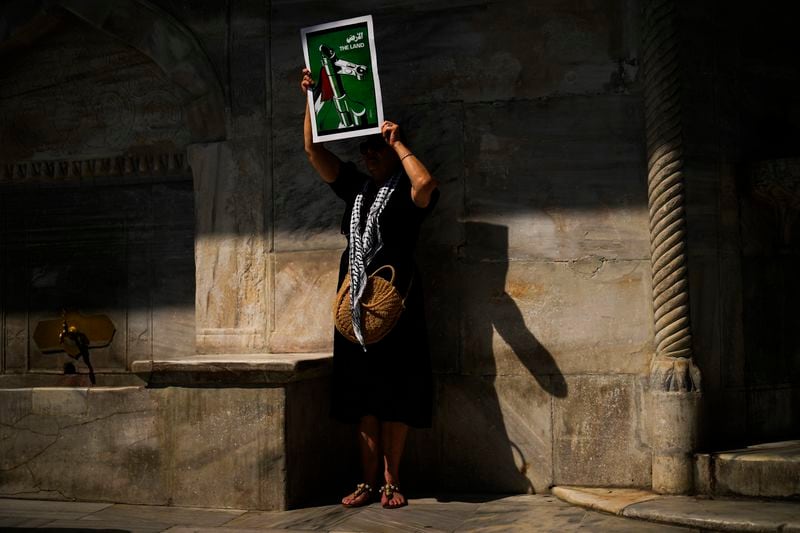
(317,138)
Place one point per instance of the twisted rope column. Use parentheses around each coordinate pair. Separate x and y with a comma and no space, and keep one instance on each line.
(674,380)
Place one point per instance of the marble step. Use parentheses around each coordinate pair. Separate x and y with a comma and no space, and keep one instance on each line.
(770,470)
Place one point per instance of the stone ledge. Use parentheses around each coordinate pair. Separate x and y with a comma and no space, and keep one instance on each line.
(35,379)
(770,470)
(719,515)
(608,500)
(234,369)
(687,511)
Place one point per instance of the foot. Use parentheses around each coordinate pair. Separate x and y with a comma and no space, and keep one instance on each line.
(361,496)
(391,497)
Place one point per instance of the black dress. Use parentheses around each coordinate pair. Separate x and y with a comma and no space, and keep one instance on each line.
(392,379)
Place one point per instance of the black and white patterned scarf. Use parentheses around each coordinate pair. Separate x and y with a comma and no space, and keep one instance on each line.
(364,246)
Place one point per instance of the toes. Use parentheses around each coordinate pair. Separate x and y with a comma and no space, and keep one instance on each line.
(398,501)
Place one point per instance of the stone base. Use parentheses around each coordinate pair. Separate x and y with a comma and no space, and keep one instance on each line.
(247,432)
(672,419)
(764,471)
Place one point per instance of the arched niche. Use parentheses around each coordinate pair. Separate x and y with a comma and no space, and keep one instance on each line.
(144,27)
(98,103)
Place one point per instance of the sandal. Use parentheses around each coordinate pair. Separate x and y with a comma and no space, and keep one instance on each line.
(361,488)
(388,490)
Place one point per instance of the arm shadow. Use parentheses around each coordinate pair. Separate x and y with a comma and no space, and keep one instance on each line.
(487,244)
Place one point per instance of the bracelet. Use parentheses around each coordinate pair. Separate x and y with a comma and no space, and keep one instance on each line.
(409,154)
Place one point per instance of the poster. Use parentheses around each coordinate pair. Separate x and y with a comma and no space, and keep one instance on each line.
(346,100)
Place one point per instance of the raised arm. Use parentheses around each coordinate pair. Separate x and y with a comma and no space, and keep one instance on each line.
(422,183)
(324,162)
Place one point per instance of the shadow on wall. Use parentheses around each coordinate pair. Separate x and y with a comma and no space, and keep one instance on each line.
(487,250)
(493,418)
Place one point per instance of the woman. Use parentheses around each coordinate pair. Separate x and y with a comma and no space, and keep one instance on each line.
(387,387)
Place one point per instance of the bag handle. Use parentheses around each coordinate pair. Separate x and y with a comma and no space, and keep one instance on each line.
(389,294)
(390,267)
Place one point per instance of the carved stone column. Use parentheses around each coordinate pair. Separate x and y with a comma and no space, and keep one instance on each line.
(674,392)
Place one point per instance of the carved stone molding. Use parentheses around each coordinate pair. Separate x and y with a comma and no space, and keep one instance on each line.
(674,374)
(160,164)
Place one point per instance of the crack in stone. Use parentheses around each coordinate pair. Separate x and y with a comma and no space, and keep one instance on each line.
(55,437)
(93,420)
(26,462)
(15,427)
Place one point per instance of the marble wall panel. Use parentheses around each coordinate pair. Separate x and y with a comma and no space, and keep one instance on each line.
(598,433)
(495,435)
(214,463)
(172,283)
(16,405)
(17,446)
(221,447)
(231,247)
(97,444)
(527,51)
(443,282)
(556,318)
(248,84)
(59,401)
(566,174)
(434,132)
(305,287)
(421,466)
(317,447)
(15,322)
(475,51)
(139,326)
(307,214)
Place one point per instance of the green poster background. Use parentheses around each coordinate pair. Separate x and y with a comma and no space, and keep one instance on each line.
(362,91)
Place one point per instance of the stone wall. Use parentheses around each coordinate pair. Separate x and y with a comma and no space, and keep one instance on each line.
(536,260)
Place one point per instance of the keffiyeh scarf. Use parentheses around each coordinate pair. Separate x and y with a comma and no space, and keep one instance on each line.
(365,245)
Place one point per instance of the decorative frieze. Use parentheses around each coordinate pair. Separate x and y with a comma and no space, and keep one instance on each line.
(144,165)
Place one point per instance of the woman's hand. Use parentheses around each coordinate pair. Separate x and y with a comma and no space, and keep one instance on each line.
(307,82)
(422,183)
(324,162)
(390,132)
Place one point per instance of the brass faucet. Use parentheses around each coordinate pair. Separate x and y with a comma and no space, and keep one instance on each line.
(75,334)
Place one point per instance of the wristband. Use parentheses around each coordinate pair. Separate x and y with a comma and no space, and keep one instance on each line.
(409,154)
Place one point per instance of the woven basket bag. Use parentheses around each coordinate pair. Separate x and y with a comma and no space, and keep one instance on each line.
(381,307)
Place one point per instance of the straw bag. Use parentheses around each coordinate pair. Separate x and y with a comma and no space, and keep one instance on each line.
(381,307)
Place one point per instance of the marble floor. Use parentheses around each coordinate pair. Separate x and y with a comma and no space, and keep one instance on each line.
(459,513)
